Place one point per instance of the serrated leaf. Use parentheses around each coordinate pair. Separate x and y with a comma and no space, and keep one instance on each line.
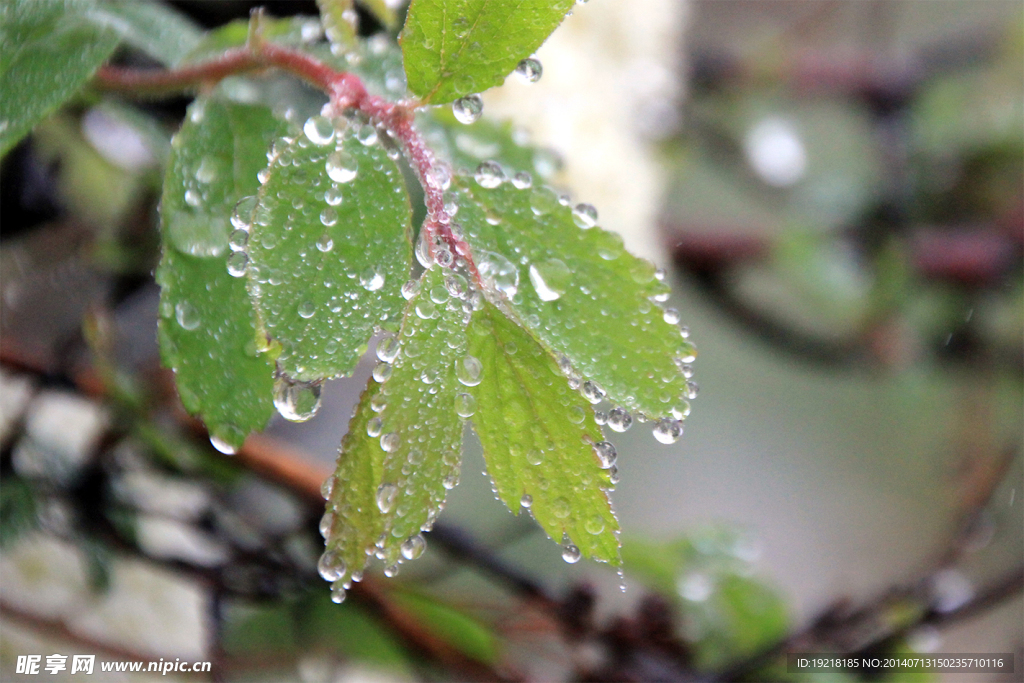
(48,50)
(207,331)
(330,249)
(404,446)
(578,292)
(538,437)
(456,47)
(154,28)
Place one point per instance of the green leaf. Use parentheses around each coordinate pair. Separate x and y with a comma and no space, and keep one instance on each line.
(578,292)
(330,249)
(206,328)
(456,47)
(383,11)
(453,626)
(338,18)
(154,28)
(403,449)
(17,509)
(50,49)
(538,437)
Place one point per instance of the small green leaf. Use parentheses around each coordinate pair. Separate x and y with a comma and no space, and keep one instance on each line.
(330,248)
(50,48)
(154,28)
(206,328)
(456,47)
(404,446)
(578,292)
(538,437)
(453,626)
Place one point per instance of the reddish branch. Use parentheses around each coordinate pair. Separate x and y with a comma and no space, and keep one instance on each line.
(346,92)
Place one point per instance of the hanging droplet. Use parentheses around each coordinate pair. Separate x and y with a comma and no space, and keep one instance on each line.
(374,426)
(341,166)
(687,370)
(593,392)
(570,553)
(468,109)
(238,239)
(319,130)
(330,566)
(687,353)
(238,263)
(671,316)
(222,445)
(619,419)
(391,571)
(327,488)
(529,70)
(338,593)
(382,372)
(585,216)
(605,453)
(326,522)
(613,475)
(468,370)
(386,496)
(296,401)
(413,547)
(187,315)
(522,181)
(489,175)
(390,442)
(241,216)
(526,501)
(465,405)
(668,430)
(550,279)
(388,348)
(692,389)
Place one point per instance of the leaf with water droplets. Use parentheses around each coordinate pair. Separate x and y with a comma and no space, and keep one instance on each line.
(207,332)
(156,29)
(578,292)
(404,446)
(50,48)
(457,47)
(329,248)
(539,437)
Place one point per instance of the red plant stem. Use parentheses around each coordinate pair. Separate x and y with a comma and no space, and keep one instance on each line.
(345,90)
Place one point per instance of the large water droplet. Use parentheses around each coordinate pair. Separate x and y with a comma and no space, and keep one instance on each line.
(338,593)
(468,370)
(465,405)
(410,289)
(489,175)
(605,453)
(307,309)
(390,442)
(238,239)
(522,181)
(374,426)
(187,315)
(388,348)
(498,272)
(468,109)
(386,496)
(413,547)
(668,430)
(550,279)
(325,243)
(619,420)
(570,553)
(331,566)
(594,525)
(319,130)
(296,401)
(238,263)
(328,217)
(526,501)
(593,392)
(222,445)
(241,217)
(585,216)
(334,196)
(341,166)
(367,134)
(371,279)
(529,70)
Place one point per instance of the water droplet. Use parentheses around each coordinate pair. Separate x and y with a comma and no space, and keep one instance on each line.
(619,420)
(263,175)
(593,392)
(331,567)
(382,372)
(307,309)
(325,243)
(296,401)
(577,415)
(692,389)
(388,348)
(668,430)
(526,501)
(410,289)
(687,353)
(391,571)
(326,522)
(560,508)
(207,171)
(600,417)
(594,525)
(680,411)
(367,134)
(426,309)
(468,109)
(456,284)
(613,475)
(413,547)
(571,554)
(187,315)
(468,370)
(327,488)
(605,453)
(451,481)
(193,198)
(465,405)
(543,201)
(439,294)
(341,166)
(328,217)
(684,331)
(374,426)
(529,70)
(222,445)
(319,130)
(585,216)
(440,176)
(499,273)
(522,180)
(386,496)
(338,593)
(489,175)
(242,213)
(371,280)
(333,196)
(671,316)
(238,263)
(550,279)
(390,442)
(238,239)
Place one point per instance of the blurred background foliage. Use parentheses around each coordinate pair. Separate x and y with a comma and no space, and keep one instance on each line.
(846,197)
